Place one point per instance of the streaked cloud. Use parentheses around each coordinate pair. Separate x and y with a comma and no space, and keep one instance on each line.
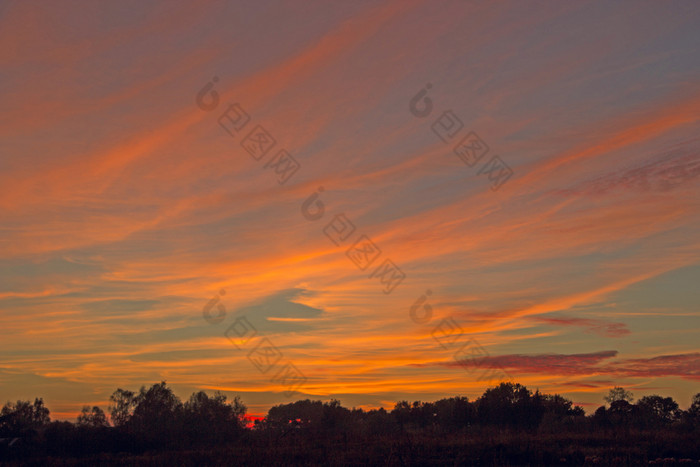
(125,208)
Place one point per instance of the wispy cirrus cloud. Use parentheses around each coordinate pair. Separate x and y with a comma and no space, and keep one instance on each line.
(124,208)
(596,326)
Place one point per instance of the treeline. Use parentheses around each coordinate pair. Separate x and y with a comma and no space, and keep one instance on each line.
(153,418)
(506,406)
(156,420)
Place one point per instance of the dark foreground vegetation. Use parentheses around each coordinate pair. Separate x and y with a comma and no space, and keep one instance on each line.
(507,425)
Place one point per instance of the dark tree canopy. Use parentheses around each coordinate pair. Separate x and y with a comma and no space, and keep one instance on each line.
(22,416)
(94,417)
(155,419)
(618,394)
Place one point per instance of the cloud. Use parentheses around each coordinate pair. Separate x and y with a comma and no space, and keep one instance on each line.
(596,326)
(686,366)
(106,160)
(670,171)
(281,312)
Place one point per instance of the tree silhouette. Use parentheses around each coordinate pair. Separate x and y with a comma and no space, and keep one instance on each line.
(694,409)
(213,416)
(22,417)
(455,412)
(301,413)
(506,424)
(335,416)
(158,414)
(505,405)
(618,394)
(402,413)
(94,417)
(656,410)
(122,407)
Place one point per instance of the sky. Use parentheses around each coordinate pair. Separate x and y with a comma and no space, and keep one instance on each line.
(368,201)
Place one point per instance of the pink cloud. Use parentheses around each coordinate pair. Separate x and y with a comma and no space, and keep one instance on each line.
(686,366)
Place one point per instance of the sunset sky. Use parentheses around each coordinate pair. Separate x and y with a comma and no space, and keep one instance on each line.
(127,203)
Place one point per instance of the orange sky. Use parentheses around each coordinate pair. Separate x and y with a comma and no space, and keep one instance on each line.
(125,207)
